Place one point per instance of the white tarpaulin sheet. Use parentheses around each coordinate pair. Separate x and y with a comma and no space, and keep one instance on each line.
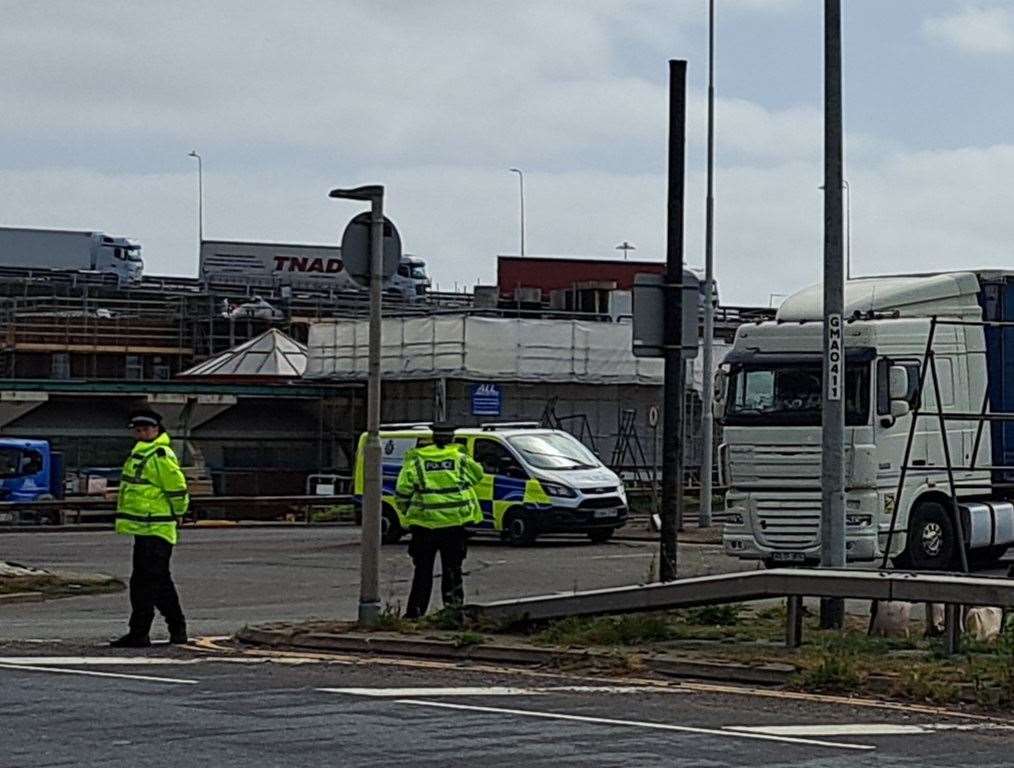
(515,349)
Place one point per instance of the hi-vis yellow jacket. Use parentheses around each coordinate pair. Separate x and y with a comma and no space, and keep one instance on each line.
(434,488)
(153,494)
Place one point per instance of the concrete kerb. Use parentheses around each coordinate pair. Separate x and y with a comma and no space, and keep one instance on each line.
(450,649)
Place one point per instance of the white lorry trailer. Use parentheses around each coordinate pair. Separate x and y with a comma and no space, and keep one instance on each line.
(313,267)
(769,401)
(61,249)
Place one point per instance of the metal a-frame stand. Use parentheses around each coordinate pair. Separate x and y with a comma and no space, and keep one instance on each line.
(984,416)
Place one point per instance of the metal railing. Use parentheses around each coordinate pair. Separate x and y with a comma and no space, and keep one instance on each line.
(793,584)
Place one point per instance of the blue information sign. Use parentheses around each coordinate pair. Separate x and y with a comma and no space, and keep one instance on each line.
(487,400)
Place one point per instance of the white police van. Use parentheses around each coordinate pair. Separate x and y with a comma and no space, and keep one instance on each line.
(537,481)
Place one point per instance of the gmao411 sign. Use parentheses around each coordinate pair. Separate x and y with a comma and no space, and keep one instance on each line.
(835,357)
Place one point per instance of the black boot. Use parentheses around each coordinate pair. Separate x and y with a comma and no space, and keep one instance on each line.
(178,635)
(131,641)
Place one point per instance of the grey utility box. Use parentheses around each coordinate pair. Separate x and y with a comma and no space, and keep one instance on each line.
(649,314)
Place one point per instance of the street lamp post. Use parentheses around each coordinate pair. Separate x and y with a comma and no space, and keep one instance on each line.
(626,248)
(521,182)
(200,199)
(369,572)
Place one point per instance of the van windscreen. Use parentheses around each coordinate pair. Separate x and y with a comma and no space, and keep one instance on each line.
(553,450)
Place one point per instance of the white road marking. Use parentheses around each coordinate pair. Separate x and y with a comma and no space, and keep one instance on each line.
(95,673)
(844,729)
(867,729)
(622,557)
(84,661)
(401,693)
(638,724)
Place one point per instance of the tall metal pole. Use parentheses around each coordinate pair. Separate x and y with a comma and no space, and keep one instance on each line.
(200,199)
(707,394)
(672,403)
(832,520)
(521,182)
(369,584)
(848,229)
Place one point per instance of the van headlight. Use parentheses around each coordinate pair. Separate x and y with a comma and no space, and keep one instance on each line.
(557,490)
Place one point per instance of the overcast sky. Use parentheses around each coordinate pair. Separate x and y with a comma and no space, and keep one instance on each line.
(102,101)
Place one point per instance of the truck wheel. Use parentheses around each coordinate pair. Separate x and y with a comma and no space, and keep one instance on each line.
(518,529)
(600,535)
(390,529)
(932,543)
(50,516)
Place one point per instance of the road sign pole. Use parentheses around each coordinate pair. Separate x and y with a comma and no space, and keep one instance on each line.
(371,258)
(672,403)
(369,590)
(832,521)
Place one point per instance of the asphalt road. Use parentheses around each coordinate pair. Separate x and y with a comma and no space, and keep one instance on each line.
(257,709)
(229,577)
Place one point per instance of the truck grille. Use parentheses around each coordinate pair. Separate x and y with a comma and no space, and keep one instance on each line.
(788,520)
(781,466)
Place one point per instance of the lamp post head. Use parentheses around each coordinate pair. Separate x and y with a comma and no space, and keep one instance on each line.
(193,153)
(514,170)
(368,192)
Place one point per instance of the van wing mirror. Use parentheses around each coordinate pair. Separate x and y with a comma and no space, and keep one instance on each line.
(899,408)
(898,385)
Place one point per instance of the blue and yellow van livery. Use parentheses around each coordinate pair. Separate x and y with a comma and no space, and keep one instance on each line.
(537,481)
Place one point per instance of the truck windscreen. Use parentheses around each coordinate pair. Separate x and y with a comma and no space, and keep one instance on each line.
(790,394)
(10,462)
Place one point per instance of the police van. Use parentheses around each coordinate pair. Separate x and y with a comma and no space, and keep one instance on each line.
(536,481)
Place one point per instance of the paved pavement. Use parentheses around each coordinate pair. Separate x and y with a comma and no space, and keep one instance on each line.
(229,577)
(252,709)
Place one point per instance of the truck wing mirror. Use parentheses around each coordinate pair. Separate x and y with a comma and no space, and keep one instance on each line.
(721,388)
(899,408)
(898,386)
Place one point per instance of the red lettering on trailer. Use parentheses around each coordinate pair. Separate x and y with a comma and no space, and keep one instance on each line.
(307,264)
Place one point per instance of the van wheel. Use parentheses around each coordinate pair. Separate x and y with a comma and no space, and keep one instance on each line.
(390,529)
(932,543)
(601,535)
(518,529)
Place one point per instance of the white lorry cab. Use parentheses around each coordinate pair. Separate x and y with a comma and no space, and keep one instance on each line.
(537,481)
(62,249)
(925,357)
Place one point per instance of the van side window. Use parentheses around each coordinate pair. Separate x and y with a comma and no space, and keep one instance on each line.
(497,460)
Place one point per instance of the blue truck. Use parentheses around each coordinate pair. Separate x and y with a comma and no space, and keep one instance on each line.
(29,471)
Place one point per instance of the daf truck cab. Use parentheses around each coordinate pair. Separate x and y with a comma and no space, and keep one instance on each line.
(769,394)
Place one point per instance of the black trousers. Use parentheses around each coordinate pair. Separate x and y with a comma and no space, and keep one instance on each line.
(151,586)
(451,543)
